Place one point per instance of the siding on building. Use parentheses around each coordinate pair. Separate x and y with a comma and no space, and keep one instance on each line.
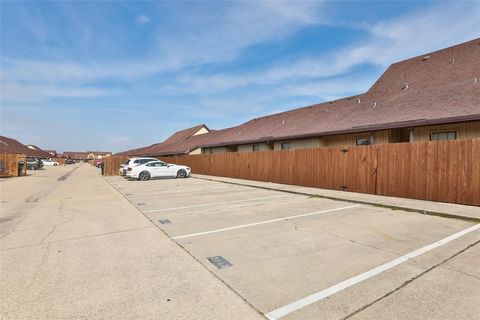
(465,130)
(249,147)
(411,100)
(196,151)
(469,130)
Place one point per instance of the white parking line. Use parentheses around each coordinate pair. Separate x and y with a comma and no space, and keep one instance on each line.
(299,304)
(262,222)
(209,191)
(218,203)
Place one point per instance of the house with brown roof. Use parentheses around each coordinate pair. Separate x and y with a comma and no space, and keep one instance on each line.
(74,155)
(9,145)
(52,152)
(98,155)
(435,96)
(187,141)
(45,154)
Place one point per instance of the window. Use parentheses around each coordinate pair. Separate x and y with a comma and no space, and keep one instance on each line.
(363,141)
(450,135)
(285,145)
(256,147)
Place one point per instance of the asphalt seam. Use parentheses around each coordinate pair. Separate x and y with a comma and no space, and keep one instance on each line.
(406,283)
(391,207)
(189,253)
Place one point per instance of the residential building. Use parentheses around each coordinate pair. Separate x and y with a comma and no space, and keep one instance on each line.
(435,96)
(9,145)
(98,155)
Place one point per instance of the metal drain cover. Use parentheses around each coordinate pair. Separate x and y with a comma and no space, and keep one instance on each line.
(164,221)
(141,204)
(219,262)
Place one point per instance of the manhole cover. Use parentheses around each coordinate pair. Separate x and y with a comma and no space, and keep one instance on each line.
(164,221)
(219,262)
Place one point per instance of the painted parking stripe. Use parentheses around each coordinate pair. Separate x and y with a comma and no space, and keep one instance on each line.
(218,203)
(182,192)
(299,304)
(262,222)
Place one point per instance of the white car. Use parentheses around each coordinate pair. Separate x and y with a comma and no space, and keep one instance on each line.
(157,169)
(130,163)
(49,162)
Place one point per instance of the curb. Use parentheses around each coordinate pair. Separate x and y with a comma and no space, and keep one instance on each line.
(313,195)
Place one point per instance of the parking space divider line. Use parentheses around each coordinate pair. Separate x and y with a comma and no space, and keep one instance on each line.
(262,222)
(371,203)
(217,203)
(316,297)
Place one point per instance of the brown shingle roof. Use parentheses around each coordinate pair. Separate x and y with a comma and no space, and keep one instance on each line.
(439,87)
(181,142)
(9,145)
(75,155)
(101,153)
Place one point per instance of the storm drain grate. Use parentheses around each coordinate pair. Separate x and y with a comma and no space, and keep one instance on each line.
(128,194)
(164,221)
(141,204)
(219,262)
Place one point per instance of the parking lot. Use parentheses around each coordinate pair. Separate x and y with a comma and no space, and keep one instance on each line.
(293,256)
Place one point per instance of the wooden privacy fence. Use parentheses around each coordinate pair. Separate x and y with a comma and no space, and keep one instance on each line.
(9,164)
(112,164)
(447,171)
(60,161)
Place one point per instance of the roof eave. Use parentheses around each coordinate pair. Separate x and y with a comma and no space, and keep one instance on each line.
(358,129)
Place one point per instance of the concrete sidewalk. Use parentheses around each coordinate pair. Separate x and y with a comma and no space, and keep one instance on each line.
(448,210)
(74,248)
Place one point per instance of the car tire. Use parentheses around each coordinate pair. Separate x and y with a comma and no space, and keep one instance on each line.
(55,164)
(181,174)
(144,176)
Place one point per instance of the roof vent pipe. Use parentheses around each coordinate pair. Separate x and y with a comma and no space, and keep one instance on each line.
(374,105)
(283,121)
(426,58)
(452,61)
(475,80)
(359,101)
(405,86)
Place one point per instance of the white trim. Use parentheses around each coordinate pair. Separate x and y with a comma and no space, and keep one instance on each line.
(217,203)
(261,222)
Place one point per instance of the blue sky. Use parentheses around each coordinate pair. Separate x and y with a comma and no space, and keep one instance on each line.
(113,75)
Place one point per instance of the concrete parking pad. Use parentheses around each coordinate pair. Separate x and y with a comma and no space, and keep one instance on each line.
(279,252)
(76,249)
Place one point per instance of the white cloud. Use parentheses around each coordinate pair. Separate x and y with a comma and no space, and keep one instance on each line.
(203,37)
(142,19)
(198,38)
(11,91)
(387,42)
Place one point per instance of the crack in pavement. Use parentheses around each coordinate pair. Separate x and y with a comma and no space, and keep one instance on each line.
(460,271)
(76,238)
(406,283)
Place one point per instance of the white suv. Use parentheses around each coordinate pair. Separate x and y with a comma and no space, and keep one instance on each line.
(130,163)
